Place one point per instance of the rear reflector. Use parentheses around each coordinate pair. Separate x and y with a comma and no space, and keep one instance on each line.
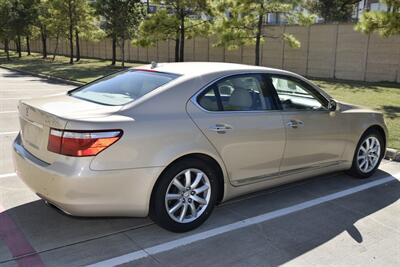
(81,143)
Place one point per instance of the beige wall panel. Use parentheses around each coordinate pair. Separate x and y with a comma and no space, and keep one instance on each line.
(66,47)
(351,53)
(321,55)
(383,58)
(233,56)
(249,55)
(51,45)
(295,59)
(135,53)
(33,45)
(96,49)
(152,53)
(128,56)
(171,50)
(273,47)
(84,48)
(119,51)
(216,54)
(106,49)
(163,52)
(91,48)
(201,49)
(61,47)
(100,49)
(143,54)
(188,53)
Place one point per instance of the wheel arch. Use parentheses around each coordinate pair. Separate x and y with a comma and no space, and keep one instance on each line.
(379,129)
(199,156)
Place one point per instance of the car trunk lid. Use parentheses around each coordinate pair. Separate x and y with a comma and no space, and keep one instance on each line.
(38,116)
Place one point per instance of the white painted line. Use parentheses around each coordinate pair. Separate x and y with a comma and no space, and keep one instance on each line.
(8,133)
(14,98)
(238,225)
(5,175)
(8,112)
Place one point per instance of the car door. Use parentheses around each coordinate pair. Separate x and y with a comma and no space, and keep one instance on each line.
(241,117)
(315,136)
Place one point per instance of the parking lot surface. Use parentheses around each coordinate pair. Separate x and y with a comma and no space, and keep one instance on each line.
(330,220)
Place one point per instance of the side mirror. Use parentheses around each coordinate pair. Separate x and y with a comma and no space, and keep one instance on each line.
(332,105)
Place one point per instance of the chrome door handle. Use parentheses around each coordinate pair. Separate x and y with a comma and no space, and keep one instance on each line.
(220,128)
(295,124)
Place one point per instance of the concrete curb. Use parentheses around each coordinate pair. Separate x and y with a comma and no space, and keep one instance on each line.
(49,77)
(392,154)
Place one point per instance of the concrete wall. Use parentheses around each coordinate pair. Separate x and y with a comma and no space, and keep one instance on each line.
(327,51)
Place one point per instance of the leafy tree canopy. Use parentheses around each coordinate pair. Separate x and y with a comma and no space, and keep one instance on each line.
(120,18)
(240,22)
(175,20)
(385,23)
(333,10)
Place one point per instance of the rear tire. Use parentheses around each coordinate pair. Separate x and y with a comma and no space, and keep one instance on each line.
(368,155)
(184,196)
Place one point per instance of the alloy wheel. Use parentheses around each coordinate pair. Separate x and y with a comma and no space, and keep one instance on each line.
(188,195)
(368,154)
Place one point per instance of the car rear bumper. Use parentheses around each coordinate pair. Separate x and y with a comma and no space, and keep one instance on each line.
(77,190)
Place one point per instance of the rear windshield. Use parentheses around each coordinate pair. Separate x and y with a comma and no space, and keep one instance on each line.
(123,87)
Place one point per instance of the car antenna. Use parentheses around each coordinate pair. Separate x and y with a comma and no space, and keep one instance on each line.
(154,64)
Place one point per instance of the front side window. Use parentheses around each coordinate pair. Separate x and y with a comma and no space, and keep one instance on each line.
(295,94)
(239,93)
(123,87)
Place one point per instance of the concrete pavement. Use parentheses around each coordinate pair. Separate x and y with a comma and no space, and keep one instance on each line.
(359,229)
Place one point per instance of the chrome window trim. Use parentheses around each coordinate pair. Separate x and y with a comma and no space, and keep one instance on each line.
(193,99)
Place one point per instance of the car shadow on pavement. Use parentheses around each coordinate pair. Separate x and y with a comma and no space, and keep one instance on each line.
(272,242)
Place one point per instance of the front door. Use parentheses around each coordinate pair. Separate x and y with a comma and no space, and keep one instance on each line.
(314,135)
(241,117)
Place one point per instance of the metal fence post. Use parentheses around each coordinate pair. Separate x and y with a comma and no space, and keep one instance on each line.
(283,48)
(335,51)
(366,57)
(308,48)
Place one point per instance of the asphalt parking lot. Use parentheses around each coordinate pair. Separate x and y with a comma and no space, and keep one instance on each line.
(330,220)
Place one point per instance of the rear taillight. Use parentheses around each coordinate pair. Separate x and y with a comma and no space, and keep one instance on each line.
(81,143)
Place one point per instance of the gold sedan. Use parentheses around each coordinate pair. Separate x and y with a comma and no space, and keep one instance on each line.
(172,140)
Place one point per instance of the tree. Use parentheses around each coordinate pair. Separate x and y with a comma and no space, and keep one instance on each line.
(240,22)
(387,23)
(23,14)
(86,24)
(75,15)
(43,21)
(175,20)
(121,21)
(333,10)
(6,31)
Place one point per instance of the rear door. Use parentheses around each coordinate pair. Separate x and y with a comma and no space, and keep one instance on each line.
(240,116)
(315,136)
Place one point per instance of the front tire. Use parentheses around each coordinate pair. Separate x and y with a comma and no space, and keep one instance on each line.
(184,196)
(368,155)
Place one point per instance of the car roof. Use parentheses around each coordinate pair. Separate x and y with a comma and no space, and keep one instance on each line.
(202,68)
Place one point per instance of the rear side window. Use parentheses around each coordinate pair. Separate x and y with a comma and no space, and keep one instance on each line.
(123,87)
(244,92)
